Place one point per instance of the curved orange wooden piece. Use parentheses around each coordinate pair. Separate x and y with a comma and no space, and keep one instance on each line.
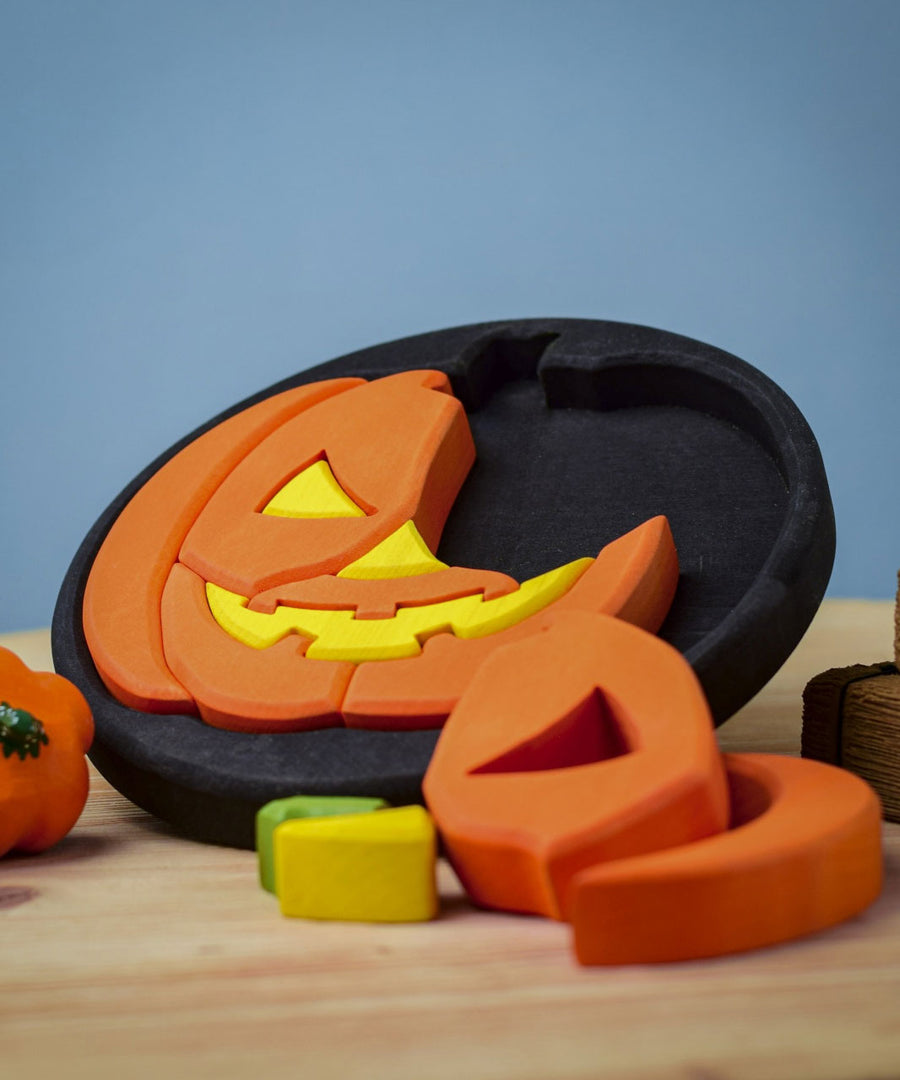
(379,597)
(243,689)
(587,742)
(803,853)
(125,586)
(634,578)
(399,446)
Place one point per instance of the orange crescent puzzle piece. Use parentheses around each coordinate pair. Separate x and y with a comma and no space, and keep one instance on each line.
(400,447)
(803,853)
(124,590)
(588,742)
(634,578)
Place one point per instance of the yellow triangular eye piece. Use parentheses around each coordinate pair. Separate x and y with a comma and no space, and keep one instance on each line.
(313,493)
(402,554)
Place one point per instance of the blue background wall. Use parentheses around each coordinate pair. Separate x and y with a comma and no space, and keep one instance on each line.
(197,199)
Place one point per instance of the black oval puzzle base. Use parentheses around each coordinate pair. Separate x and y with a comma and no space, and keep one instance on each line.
(583,430)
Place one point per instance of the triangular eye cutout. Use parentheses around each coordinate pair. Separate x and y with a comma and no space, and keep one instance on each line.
(313,493)
(402,554)
(588,734)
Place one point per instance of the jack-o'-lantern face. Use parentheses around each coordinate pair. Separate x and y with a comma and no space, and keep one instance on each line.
(279,572)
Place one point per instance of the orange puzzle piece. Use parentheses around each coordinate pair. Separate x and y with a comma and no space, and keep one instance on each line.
(124,590)
(400,447)
(633,578)
(587,742)
(295,528)
(803,853)
(219,671)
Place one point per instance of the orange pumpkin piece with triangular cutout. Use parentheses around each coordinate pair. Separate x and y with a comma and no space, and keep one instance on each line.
(587,742)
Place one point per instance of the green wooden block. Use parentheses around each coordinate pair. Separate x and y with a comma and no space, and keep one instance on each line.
(300,806)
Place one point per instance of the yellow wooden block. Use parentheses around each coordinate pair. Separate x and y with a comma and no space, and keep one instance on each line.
(313,493)
(339,635)
(376,867)
(402,554)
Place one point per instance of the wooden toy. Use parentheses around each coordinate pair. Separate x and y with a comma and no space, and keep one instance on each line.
(297,498)
(400,447)
(578,777)
(332,607)
(122,599)
(851,718)
(313,493)
(45,731)
(803,853)
(634,578)
(300,806)
(377,867)
(341,635)
(401,554)
(588,742)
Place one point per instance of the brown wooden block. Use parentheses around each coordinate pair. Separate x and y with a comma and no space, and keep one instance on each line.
(823,701)
(851,718)
(871,737)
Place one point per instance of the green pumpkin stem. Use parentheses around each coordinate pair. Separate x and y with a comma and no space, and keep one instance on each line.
(20,732)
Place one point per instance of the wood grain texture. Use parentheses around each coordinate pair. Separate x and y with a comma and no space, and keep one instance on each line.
(870,746)
(824,712)
(128,951)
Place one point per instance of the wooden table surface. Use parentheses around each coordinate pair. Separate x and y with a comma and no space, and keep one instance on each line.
(128,951)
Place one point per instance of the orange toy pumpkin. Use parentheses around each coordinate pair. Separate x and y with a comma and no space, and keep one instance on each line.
(277,574)
(45,731)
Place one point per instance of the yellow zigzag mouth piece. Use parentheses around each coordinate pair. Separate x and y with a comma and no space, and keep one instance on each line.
(339,635)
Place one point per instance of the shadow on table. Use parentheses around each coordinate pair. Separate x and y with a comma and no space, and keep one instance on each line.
(71,848)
